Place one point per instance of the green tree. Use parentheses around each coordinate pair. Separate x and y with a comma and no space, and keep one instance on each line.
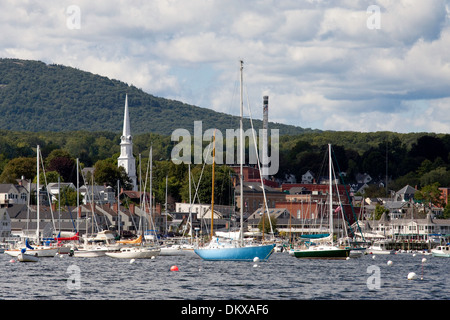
(47,177)
(107,172)
(264,224)
(379,210)
(446,213)
(18,167)
(62,162)
(430,195)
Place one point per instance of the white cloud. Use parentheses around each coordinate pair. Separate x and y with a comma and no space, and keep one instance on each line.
(316,59)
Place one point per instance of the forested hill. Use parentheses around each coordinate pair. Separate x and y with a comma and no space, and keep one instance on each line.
(38,97)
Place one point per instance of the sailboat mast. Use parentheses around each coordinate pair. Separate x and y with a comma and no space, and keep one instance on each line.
(212,194)
(241,154)
(190,202)
(78,199)
(330,191)
(37,194)
(151,185)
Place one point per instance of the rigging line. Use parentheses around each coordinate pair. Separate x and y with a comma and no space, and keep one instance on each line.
(91,202)
(196,187)
(149,168)
(348,197)
(339,200)
(46,187)
(259,167)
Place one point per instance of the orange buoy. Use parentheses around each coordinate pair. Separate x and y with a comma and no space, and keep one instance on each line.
(173,268)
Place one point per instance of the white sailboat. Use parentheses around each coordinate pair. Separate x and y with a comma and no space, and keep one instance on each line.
(325,250)
(96,246)
(236,250)
(37,250)
(134,253)
(140,251)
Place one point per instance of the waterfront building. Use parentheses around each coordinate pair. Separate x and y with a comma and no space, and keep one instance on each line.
(254,196)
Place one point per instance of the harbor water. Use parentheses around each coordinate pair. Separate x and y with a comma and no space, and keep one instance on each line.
(283,277)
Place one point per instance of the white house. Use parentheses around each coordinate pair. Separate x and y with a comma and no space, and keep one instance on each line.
(308,177)
(100,194)
(54,188)
(11,194)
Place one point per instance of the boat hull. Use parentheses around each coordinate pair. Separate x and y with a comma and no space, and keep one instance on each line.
(23,257)
(45,252)
(134,254)
(441,251)
(173,251)
(322,253)
(89,253)
(247,253)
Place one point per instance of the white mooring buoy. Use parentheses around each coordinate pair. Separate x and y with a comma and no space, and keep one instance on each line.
(412,276)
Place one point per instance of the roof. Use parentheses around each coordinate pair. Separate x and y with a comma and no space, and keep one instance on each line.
(275,212)
(6,187)
(256,187)
(135,194)
(407,190)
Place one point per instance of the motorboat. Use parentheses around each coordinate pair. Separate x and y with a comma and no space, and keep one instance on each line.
(441,251)
(380,247)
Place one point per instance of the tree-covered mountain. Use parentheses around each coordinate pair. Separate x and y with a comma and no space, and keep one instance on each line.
(38,97)
(72,112)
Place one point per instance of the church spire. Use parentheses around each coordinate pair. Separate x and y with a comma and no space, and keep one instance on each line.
(126,158)
(126,120)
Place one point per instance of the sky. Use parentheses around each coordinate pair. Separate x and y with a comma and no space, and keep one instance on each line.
(361,65)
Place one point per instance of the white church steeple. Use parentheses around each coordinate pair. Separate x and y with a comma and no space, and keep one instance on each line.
(126,158)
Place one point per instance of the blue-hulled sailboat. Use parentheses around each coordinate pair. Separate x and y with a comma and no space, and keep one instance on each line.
(218,250)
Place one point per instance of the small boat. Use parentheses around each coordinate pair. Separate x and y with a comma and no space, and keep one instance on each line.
(322,252)
(40,251)
(89,251)
(134,253)
(356,252)
(175,250)
(441,251)
(26,257)
(379,247)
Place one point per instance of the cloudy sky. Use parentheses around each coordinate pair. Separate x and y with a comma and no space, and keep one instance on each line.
(358,65)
